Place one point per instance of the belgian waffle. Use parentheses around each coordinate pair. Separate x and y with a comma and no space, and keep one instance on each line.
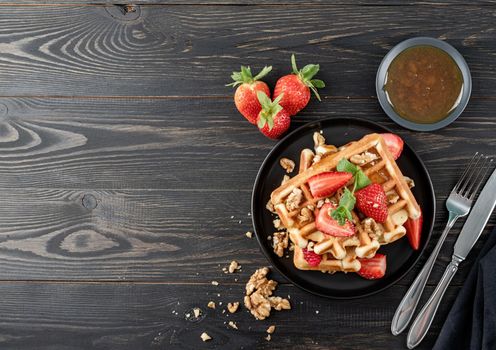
(296,207)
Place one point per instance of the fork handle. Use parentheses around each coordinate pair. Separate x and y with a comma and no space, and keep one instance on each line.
(424,319)
(406,308)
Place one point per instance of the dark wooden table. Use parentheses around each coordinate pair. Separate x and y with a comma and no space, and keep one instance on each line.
(126,171)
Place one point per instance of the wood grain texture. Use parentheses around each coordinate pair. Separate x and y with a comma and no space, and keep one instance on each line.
(118,189)
(191,51)
(144,316)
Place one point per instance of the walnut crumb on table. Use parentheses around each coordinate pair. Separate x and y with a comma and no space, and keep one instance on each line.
(271,329)
(249,234)
(211,305)
(205,337)
(233,307)
(233,266)
(232,325)
(215,283)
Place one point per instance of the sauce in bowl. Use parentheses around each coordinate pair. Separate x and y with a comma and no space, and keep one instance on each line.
(423,84)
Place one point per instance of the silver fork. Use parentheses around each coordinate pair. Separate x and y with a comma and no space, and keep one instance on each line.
(458,204)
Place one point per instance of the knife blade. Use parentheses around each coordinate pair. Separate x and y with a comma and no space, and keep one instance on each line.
(477,220)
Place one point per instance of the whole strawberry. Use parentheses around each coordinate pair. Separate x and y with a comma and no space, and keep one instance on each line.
(372,201)
(296,87)
(245,96)
(273,120)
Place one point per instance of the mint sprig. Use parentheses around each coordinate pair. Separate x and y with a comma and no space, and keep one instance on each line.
(348,200)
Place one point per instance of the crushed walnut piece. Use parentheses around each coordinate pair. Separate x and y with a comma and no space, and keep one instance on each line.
(305,216)
(259,299)
(232,307)
(280,242)
(271,329)
(320,145)
(215,283)
(211,305)
(409,182)
(232,325)
(277,224)
(372,228)
(205,337)
(233,266)
(287,164)
(249,234)
(392,197)
(197,312)
(320,203)
(294,199)
(268,337)
(363,158)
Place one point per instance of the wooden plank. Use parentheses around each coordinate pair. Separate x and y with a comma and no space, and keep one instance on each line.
(153,214)
(115,143)
(242,2)
(143,316)
(191,50)
(143,235)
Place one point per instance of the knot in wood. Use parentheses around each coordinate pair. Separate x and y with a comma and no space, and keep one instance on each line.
(89,201)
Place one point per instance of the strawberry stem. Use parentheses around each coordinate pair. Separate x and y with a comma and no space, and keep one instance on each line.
(245,76)
(269,109)
(306,74)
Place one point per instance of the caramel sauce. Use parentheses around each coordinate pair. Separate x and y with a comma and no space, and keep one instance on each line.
(424,84)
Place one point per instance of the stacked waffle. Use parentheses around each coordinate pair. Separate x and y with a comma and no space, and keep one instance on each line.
(298,208)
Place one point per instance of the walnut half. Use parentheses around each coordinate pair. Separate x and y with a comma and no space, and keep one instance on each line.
(287,164)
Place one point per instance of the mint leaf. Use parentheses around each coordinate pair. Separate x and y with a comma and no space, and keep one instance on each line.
(361,180)
(347,200)
(345,165)
(340,214)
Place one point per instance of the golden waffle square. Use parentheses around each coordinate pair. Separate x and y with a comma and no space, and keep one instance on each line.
(296,207)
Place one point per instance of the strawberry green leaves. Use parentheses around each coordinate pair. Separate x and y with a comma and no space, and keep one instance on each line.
(343,211)
(361,180)
(269,109)
(348,200)
(306,74)
(245,76)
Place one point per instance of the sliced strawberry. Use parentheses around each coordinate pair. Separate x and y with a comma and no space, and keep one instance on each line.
(312,258)
(394,144)
(326,224)
(326,184)
(373,268)
(372,201)
(414,231)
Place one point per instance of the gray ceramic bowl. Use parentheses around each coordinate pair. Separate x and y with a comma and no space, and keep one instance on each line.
(382,74)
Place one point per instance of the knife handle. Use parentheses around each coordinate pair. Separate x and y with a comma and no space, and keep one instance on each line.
(424,319)
(408,304)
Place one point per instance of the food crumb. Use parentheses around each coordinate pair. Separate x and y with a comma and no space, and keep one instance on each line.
(205,337)
(197,312)
(233,307)
(233,266)
(215,283)
(232,325)
(317,312)
(211,304)
(249,234)
(268,337)
(271,329)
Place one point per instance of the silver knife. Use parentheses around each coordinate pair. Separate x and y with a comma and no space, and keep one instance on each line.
(471,231)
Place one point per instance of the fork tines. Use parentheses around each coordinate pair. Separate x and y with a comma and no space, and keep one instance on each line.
(473,176)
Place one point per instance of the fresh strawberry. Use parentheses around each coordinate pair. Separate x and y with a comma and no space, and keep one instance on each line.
(394,144)
(312,258)
(245,96)
(373,268)
(296,87)
(273,121)
(414,231)
(325,184)
(372,201)
(326,224)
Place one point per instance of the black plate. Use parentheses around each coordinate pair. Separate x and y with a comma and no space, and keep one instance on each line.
(400,256)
